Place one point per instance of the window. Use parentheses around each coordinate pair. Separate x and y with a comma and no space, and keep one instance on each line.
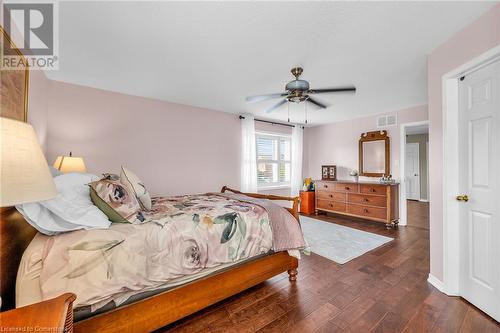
(273,160)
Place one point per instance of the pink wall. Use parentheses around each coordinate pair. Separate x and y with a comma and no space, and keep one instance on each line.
(37,105)
(173,148)
(337,143)
(474,40)
(202,147)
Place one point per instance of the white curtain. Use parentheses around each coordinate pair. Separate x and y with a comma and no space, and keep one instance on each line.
(296,177)
(248,155)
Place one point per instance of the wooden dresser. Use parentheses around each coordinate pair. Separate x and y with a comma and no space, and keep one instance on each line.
(367,200)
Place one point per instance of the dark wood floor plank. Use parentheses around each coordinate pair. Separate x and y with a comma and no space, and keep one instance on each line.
(452,316)
(296,309)
(316,319)
(385,290)
(423,320)
(391,323)
(474,321)
(418,214)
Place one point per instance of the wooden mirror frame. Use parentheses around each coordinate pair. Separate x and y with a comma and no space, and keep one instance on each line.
(375,136)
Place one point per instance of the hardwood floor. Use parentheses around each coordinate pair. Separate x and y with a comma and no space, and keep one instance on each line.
(385,290)
(418,214)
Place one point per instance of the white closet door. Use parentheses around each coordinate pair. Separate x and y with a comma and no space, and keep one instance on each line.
(479,179)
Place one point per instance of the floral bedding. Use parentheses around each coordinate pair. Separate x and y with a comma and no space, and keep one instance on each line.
(185,235)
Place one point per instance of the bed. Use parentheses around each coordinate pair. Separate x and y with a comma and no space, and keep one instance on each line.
(150,311)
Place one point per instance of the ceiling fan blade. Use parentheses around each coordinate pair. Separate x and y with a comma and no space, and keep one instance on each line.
(260,98)
(277,105)
(315,102)
(333,90)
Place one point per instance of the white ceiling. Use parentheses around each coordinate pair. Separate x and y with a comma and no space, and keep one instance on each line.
(213,54)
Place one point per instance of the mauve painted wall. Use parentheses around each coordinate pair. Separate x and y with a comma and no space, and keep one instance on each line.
(174,149)
(337,143)
(469,43)
(37,105)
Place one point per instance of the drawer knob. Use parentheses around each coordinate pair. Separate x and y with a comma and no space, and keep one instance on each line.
(372,189)
(365,210)
(331,195)
(325,186)
(365,200)
(347,188)
(331,205)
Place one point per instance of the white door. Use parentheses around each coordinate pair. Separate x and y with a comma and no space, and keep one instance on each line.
(479,169)
(412,162)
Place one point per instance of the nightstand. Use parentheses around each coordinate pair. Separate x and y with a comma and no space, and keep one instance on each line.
(307,204)
(53,315)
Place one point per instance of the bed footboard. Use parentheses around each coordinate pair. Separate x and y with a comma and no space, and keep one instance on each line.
(157,311)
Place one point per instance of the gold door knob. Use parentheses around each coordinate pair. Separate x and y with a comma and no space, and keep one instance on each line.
(463,197)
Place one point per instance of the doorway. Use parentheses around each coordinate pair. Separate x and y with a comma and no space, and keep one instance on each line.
(471,223)
(416,174)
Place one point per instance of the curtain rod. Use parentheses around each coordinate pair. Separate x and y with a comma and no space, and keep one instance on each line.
(271,122)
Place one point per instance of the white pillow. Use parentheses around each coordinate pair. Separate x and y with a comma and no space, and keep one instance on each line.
(70,210)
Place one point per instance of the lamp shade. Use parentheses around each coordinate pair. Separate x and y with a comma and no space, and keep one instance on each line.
(24,173)
(70,164)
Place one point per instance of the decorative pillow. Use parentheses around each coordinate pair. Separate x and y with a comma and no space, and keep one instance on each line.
(134,184)
(116,201)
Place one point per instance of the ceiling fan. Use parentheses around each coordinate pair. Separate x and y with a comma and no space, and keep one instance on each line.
(298,91)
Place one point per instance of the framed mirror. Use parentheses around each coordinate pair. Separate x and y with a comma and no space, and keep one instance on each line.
(374,154)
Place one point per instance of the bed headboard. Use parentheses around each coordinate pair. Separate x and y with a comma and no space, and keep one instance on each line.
(15,236)
(295,206)
(15,232)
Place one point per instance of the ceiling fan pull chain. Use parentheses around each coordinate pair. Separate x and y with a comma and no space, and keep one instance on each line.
(288,111)
(305,107)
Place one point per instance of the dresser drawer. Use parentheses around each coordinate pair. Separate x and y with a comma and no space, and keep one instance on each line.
(368,211)
(364,199)
(331,205)
(325,187)
(346,187)
(373,189)
(335,196)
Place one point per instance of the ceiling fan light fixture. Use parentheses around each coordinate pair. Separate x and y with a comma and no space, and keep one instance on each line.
(297,98)
(300,85)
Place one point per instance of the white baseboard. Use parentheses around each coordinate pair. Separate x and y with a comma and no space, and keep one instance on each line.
(423,200)
(438,284)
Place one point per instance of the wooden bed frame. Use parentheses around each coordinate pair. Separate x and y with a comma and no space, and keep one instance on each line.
(156,311)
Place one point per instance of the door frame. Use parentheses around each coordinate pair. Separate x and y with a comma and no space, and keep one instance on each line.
(402,171)
(451,238)
(417,144)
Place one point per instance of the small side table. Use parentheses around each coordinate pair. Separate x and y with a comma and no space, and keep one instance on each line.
(307,203)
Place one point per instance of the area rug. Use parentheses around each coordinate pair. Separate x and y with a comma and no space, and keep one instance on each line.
(339,243)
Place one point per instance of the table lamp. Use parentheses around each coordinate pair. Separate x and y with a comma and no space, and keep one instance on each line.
(24,173)
(69,164)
